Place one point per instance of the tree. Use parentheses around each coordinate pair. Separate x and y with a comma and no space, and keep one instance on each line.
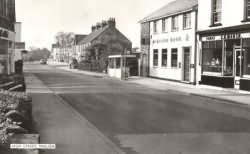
(37,53)
(65,39)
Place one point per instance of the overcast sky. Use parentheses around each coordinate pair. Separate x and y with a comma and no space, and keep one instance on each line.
(42,19)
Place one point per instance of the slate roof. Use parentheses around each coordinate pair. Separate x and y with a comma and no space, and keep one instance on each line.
(89,38)
(171,8)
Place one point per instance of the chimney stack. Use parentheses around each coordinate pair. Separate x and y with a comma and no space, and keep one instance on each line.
(104,23)
(93,28)
(111,22)
(98,26)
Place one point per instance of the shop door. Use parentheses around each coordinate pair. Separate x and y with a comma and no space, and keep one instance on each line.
(186,67)
(238,67)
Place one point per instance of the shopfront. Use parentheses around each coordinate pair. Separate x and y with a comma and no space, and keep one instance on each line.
(225,60)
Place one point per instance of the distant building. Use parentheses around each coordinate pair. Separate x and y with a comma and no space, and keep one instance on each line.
(224,34)
(7,36)
(56,53)
(169,34)
(78,52)
(104,40)
(19,45)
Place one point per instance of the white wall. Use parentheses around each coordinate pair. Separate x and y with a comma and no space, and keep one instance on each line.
(187,40)
(232,14)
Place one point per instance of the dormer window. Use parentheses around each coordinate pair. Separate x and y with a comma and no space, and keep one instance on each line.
(216,13)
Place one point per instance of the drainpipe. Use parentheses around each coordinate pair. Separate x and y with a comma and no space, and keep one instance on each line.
(196,46)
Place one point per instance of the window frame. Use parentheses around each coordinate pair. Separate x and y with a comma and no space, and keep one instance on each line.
(162,56)
(155,26)
(187,24)
(175,23)
(216,12)
(155,60)
(172,53)
(165,25)
(246,9)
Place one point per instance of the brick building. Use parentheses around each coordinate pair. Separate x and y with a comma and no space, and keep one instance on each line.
(104,40)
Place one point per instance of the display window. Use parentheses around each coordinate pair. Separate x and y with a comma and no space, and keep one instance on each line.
(212,57)
(246,57)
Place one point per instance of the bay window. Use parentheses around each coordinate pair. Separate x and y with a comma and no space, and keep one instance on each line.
(246,58)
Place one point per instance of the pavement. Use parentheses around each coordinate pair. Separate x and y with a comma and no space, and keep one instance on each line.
(217,93)
(85,113)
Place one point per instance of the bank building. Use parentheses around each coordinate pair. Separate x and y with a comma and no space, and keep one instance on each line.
(172,41)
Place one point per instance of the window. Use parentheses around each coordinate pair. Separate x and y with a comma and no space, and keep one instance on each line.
(155,57)
(164,25)
(187,21)
(175,26)
(216,12)
(111,63)
(164,58)
(155,26)
(212,57)
(246,59)
(118,63)
(174,57)
(247,10)
(143,41)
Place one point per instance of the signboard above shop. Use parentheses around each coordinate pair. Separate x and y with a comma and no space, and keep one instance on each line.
(226,36)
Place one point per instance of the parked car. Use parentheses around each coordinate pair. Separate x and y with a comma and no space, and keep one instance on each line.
(73,64)
(43,61)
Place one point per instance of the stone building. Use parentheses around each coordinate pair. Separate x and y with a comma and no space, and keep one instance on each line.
(104,40)
(7,36)
(224,43)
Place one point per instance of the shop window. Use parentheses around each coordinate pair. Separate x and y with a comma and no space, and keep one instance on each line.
(155,57)
(164,25)
(212,57)
(175,25)
(246,58)
(164,57)
(187,21)
(216,12)
(118,63)
(174,57)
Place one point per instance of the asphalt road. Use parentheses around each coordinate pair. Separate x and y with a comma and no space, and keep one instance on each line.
(135,117)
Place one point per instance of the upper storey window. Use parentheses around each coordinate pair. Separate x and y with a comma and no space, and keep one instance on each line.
(216,12)
(155,26)
(247,10)
(175,25)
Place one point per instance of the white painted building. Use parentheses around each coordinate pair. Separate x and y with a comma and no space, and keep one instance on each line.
(173,41)
(224,46)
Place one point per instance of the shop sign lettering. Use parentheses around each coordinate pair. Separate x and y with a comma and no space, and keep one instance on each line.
(230,36)
(210,38)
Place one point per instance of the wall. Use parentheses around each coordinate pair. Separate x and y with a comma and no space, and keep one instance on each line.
(232,14)
(164,42)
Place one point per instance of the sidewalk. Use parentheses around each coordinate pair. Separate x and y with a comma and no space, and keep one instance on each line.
(58,123)
(217,93)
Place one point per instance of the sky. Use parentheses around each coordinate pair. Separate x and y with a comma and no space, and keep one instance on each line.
(42,19)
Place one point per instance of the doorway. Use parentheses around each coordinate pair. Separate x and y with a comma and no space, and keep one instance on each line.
(238,67)
(186,64)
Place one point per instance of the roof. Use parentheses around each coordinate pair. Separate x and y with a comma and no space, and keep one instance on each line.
(79,37)
(89,38)
(171,8)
